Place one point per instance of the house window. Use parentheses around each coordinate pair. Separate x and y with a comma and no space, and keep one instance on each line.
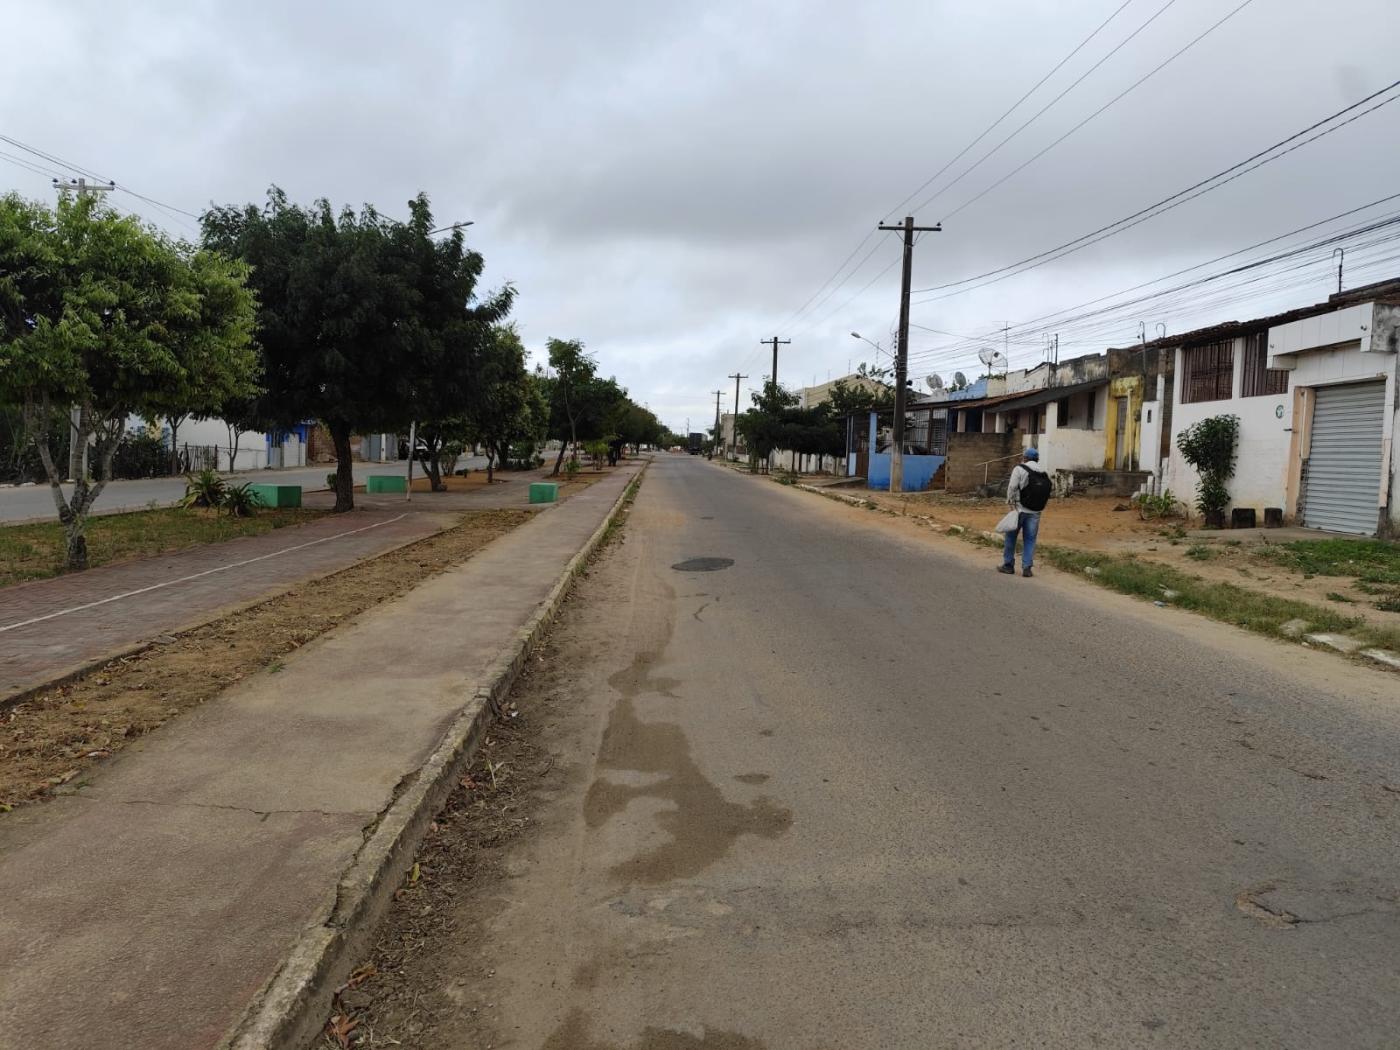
(1209,372)
(1259,379)
(1062,412)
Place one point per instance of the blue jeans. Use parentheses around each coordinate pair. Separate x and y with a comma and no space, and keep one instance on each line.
(1027,525)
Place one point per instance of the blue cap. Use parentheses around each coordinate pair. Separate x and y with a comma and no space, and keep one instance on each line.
(1032,454)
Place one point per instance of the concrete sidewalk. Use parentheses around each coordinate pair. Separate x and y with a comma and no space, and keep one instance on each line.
(151,907)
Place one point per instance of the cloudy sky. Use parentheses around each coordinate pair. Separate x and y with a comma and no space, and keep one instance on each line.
(673,182)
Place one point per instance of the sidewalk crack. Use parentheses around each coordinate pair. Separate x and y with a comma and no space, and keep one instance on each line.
(262,814)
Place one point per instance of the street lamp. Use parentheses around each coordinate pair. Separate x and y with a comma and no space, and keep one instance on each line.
(877,346)
(452,226)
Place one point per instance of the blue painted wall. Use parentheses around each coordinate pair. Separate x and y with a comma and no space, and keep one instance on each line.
(918,470)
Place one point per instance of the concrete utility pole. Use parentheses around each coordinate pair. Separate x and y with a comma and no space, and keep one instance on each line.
(776,342)
(901,360)
(78,457)
(717,439)
(734,436)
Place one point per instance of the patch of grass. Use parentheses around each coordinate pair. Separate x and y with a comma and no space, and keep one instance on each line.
(1200,552)
(36,551)
(1252,610)
(1391,604)
(1372,561)
(1333,596)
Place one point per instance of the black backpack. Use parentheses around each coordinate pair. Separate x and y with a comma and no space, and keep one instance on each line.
(1035,490)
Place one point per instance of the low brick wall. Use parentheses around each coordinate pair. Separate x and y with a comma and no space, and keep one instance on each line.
(967,454)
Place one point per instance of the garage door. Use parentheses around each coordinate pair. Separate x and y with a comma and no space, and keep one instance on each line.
(1344,466)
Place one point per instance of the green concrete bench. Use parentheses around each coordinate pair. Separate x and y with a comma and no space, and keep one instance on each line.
(543,492)
(277,495)
(386,483)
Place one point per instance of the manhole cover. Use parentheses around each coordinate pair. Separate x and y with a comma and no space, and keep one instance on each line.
(703,564)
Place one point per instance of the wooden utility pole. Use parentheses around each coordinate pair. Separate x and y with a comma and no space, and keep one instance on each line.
(718,394)
(776,342)
(734,433)
(901,359)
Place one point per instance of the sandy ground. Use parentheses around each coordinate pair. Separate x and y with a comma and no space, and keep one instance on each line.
(49,739)
(1097,523)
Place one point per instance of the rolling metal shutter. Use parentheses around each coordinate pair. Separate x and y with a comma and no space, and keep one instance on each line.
(1344,466)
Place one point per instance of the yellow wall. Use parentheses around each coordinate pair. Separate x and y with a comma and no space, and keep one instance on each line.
(1131,388)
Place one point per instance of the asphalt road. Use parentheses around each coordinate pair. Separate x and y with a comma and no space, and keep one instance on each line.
(31,502)
(859,790)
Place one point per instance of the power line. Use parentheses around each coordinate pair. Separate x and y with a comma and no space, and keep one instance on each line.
(1015,105)
(1155,209)
(1173,300)
(995,149)
(88,173)
(813,303)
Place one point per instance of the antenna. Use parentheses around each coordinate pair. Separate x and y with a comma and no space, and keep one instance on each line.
(992,358)
(935,381)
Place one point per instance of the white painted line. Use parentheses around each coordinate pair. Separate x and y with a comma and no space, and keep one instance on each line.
(195,576)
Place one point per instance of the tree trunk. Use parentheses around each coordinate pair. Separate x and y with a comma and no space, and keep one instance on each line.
(432,467)
(490,463)
(344,468)
(559,460)
(233,440)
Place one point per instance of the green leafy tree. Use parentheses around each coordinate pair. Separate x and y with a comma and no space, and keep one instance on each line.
(103,314)
(1209,446)
(873,390)
(508,406)
(353,307)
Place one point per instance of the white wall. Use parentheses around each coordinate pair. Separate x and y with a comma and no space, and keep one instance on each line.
(1067,449)
(252,444)
(1261,465)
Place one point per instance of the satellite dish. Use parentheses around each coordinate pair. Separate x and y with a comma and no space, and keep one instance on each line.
(935,381)
(990,357)
(960,380)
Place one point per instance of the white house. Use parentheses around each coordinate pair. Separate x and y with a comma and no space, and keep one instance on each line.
(1316,394)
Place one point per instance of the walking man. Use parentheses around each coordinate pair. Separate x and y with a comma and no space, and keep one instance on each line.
(1027,493)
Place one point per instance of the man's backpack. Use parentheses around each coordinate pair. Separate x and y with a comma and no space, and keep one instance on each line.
(1035,490)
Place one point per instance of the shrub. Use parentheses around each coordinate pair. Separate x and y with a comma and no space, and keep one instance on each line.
(241,501)
(205,489)
(1209,446)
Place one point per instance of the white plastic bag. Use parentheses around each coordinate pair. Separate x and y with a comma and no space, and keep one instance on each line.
(1009,523)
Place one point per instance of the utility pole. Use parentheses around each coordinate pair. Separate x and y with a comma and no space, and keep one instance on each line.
(776,342)
(901,360)
(78,457)
(718,394)
(734,434)
(1340,254)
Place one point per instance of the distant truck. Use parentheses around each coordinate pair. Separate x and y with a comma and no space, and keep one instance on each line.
(696,444)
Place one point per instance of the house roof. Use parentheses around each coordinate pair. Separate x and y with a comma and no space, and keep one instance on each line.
(1387,291)
(1043,396)
(982,402)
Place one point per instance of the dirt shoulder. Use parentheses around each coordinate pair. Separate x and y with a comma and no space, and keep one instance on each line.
(1109,525)
(49,739)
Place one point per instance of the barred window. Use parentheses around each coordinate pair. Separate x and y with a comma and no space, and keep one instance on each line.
(938,435)
(1259,379)
(1209,372)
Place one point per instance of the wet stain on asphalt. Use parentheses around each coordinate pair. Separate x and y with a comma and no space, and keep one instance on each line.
(703,825)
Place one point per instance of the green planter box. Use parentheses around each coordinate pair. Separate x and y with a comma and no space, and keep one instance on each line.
(543,492)
(277,495)
(386,483)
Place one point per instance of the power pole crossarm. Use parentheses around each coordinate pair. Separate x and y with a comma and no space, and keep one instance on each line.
(901,359)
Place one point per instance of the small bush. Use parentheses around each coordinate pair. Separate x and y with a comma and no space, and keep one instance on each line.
(205,489)
(1209,446)
(241,501)
(1200,552)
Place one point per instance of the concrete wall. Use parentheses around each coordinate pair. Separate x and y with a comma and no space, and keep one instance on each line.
(918,470)
(1262,459)
(1064,448)
(964,471)
(252,444)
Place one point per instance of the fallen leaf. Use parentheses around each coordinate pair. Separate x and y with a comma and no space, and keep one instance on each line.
(341,1028)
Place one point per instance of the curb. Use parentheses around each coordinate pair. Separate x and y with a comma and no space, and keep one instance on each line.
(290,1009)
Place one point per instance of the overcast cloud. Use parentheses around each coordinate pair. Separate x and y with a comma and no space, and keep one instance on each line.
(671,182)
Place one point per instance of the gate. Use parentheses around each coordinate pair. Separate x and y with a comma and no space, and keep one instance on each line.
(1342,478)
